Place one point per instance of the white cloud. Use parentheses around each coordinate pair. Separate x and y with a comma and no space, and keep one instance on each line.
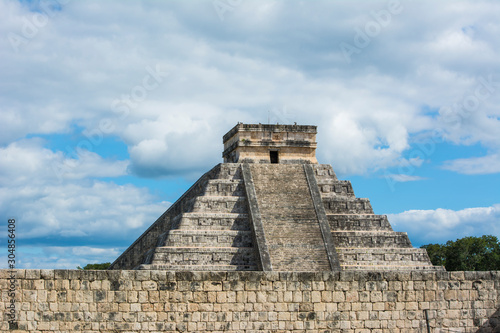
(187,138)
(76,205)
(95,210)
(63,257)
(402,178)
(441,225)
(367,141)
(264,56)
(27,161)
(260,57)
(475,166)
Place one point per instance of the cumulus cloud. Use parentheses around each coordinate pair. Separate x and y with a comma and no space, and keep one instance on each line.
(188,138)
(441,225)
(168,79)
(94,212)
(263,55)
(74,207)
(28,161)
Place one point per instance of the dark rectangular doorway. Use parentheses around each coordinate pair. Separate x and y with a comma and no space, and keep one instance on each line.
(274,157)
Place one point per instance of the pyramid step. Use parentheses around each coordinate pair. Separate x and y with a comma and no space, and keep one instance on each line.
(199,268)
(289,218)
(298,215)
(378,239)
(311,256)
(221,204)
(383,255)
(357,222)
(214,221)
(229,171)
(302,235)
(243,256)
(331,187)
(427,268)
(225,187)
(347,205)
(324,172)
(208,238)
(380,251)
(384,263)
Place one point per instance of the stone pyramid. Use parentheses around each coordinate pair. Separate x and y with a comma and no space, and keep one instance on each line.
(270,206)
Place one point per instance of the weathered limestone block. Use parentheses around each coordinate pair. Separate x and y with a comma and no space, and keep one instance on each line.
(347,205)
(224,187)
(353,222)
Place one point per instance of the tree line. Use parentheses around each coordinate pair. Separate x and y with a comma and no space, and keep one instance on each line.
(104,265)
(466,254)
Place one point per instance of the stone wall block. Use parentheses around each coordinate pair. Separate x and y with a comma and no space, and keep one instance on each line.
(32,274)
(56,300)
(47,274)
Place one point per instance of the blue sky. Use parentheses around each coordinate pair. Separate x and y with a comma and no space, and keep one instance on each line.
(110,110)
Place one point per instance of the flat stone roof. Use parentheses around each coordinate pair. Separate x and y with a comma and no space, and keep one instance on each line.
(269,128)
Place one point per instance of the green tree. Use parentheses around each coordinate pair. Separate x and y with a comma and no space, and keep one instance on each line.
(437,253)
(104,265)
(473,254)
(467,254)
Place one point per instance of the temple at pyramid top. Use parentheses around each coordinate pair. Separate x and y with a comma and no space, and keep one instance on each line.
(271,207)
(280,144)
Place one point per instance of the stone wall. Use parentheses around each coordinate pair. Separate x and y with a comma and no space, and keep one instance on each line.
(160,301)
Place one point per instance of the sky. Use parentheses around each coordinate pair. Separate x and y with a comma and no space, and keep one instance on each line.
(111,110)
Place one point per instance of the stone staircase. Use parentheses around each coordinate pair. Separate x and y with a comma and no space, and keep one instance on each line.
(302,217)
(363,240)
(291,227)
(212,233)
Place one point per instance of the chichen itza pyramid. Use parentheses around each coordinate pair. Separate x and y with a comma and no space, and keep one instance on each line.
(271,207)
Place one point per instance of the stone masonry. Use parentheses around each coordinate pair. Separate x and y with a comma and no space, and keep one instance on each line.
(270,143)
(283,213)
(272,208)
(289,219)
(162,301)
(269,241)
(206,229)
